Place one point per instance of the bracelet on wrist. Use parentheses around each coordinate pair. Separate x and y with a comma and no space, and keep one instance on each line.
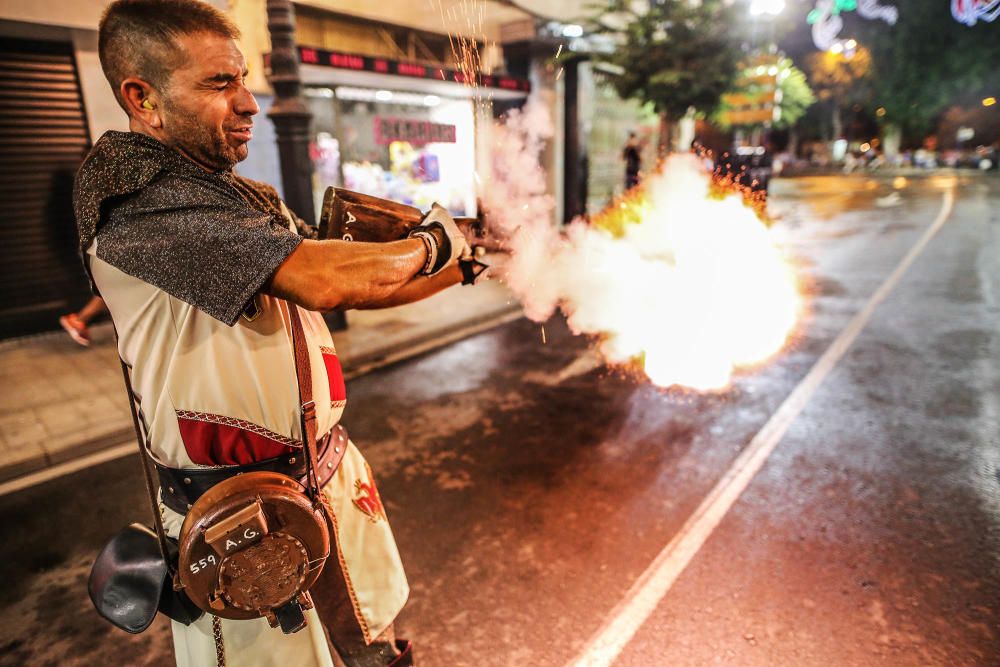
(430,247)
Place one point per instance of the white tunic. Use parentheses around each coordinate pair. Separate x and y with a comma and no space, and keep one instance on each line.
(212,394)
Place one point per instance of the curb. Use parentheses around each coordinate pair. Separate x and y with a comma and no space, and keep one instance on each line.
(42,468)
(85,447)
(432,340)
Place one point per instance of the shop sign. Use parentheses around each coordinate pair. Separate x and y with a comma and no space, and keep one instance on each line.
(417,132)
(353,61)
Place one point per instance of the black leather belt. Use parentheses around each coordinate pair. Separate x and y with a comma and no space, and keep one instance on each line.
(181,487)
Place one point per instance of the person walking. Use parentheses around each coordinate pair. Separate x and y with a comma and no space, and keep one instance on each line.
(633,160)
(77,324)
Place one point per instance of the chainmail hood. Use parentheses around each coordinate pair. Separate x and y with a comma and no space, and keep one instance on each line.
(119,164)
(211,239)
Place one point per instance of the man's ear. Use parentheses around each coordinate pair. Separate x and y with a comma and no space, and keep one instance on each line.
(142,101)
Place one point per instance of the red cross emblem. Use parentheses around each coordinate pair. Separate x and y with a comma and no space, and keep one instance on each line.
(367,499)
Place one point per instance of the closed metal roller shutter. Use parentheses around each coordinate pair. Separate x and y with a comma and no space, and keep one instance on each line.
(43,139)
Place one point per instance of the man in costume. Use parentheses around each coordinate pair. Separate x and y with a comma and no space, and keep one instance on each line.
(200,269)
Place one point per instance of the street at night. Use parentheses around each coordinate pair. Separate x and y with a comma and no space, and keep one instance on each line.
(540,499)
(500,333)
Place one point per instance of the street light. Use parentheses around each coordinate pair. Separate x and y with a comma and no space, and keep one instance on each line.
(771,7)
(768,9)
(845,48)
(989,101)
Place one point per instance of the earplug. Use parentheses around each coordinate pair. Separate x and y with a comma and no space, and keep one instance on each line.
(146,104)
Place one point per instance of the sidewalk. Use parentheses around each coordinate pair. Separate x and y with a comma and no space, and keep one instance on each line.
(60,401)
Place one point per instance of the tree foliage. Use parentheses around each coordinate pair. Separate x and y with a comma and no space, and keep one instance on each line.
(840,78)
(795,99)
(796,96)
(927,62)
(674,54)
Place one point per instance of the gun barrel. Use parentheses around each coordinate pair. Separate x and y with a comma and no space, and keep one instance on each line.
(352,216)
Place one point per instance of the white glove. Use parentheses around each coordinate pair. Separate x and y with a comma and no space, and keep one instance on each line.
(444,241)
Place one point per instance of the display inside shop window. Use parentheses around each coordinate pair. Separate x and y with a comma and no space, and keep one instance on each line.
(326,156)
(413,177)
(412,148)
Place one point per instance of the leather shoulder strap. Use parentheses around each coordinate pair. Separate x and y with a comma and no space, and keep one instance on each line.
(303,373)
(146,462)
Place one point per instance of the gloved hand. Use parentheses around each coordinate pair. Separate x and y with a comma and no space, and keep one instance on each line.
(472,266)
(444,241)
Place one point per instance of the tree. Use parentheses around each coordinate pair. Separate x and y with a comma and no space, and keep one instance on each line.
(673,54)
(796,95)
(840,79)
(793,99)
(928,62)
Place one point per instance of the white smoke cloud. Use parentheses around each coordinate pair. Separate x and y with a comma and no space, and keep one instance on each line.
(697,289)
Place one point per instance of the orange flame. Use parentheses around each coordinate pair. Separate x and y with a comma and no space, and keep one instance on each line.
(717,294)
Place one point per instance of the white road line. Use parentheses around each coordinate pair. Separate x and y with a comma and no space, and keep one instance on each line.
(604,647)
(69,467)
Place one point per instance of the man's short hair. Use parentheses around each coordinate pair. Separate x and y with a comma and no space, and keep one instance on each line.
(139,38)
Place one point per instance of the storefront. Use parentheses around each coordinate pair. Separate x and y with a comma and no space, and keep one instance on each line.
(412,148)
(398,130)
(43,139)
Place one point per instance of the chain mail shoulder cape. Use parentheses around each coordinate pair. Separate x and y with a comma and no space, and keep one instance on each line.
(211,239)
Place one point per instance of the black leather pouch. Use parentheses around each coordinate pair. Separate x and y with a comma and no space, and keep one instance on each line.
(130,582)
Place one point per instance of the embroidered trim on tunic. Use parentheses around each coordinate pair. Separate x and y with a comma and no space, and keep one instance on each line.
(242,424)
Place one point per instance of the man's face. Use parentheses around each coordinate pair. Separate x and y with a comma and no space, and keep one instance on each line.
(207,108)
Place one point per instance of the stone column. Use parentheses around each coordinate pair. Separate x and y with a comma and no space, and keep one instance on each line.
(291,120)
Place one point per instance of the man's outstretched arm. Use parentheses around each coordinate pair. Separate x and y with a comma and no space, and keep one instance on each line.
(323,275)
(420,287)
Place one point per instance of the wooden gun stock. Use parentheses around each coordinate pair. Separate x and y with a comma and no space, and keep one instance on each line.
(352,216)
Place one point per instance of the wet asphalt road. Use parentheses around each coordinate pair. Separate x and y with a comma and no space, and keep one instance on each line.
(528,489)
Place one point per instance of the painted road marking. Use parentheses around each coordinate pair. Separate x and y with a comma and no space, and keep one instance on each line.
(651,587)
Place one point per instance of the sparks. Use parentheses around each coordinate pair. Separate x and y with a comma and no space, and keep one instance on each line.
(704,291)
(679,277)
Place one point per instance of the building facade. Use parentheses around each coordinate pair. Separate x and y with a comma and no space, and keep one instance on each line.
(390,89)
(54,102)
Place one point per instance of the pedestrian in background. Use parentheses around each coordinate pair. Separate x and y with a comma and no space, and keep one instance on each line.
(633,160)
(76,323)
